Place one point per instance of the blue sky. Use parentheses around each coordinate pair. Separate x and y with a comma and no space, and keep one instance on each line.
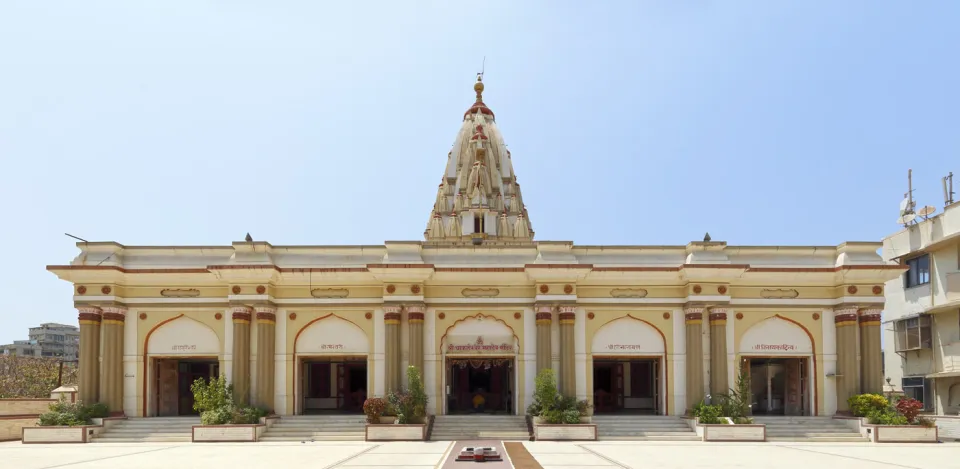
(629,122)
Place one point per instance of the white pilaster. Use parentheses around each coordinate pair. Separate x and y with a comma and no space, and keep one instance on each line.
(828,363)
(580,352)
(379,347)
(132,364)
(679,355)
(430,360)
(529,357)
(282,359)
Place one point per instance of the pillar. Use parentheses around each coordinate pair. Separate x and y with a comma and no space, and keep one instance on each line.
(544,337)
(718,352)
(694,318)
(111,358)
(89,385)
(415,331)
(241,354)
(871,361)
(266,355)
(568,369)
(391,319)
(848,372)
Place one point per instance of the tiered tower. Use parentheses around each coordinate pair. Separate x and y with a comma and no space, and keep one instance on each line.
(479,197)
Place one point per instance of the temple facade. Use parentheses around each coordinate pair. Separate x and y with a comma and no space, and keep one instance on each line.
(480,307)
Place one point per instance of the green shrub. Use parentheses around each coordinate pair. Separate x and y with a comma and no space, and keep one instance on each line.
(736,403)
(417,393)
(71,414)
(401,401)
(218,416)
(709,414)
(545,393)
(863,404)
(210,394)
(886,416)
(926,422)
(247,415)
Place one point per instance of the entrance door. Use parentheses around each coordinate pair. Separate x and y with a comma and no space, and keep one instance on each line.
(173,380)
(777,386)
(333,386)
(167,393)
(480,386)
(626,385)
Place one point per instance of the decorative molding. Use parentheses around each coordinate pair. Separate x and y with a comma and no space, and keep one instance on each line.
(391,288)
(628,293)
(591,315)
(144,316)
(877,289)
(568,289)
(415,289)
(261,289)
(292,316)
(739,316)
(480,292)
(329,293)
(81,290)
(779,293)
(722,289)
(544,289)
(665,315)
(236,290)
(217,316)
(816,316)
(852,289)
(697,289)
(106,290)
(516,315)
(179,293)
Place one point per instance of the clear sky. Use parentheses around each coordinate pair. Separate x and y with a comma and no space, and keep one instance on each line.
(305,122)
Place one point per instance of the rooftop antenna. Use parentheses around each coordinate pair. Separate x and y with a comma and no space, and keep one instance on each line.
(483,66)
(947,189)
(907,214)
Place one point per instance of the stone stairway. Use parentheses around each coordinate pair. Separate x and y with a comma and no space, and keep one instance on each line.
(150,429)
(792,428)
(317,428)
(480,427)
(643,427)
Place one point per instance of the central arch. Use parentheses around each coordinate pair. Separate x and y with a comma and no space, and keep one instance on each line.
(480,369)
(332,371)
(176,352)
(628,363)
(779,355)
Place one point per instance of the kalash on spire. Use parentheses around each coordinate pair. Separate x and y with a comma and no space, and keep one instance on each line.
(479,197)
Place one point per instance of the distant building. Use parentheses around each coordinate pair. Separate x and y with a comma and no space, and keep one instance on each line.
(47,340)
(922,312)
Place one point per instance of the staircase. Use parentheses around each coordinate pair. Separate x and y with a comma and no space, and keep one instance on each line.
(808,429)
(643,427)
(480,427)
(150,429)
(317,428)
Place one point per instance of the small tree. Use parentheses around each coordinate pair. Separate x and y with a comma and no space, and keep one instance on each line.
(736,403)
(909,408)
(211,394)
(545,393)
(417,392)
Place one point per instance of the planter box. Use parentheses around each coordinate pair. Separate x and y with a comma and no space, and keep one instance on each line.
(747,432)
(395,432)
(577,432)
(227,433)
(77,434)
(904,434)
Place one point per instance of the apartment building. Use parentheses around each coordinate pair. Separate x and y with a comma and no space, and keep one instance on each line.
(921,319)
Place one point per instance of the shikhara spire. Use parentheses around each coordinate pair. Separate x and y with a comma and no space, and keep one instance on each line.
(478,196)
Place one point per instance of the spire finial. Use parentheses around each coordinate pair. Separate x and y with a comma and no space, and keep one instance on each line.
(478,87)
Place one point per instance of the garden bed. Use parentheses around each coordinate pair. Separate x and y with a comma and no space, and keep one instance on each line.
(904,434)
(67,434)
(882,421)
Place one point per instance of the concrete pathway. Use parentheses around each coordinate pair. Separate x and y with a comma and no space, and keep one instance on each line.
(430,455)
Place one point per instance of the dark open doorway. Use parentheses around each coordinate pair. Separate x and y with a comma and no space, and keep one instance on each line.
(480,386)
(778,386)
(333,385)
(626,386)
(173,379)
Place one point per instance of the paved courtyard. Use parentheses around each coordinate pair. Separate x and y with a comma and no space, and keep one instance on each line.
(430,455)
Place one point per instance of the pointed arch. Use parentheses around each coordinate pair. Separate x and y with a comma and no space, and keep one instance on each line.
(636,336)
(344,335)
(465,322)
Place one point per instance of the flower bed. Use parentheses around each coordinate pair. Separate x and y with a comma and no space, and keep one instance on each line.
(555,417)
(884,422)
(408,407)
(68,422)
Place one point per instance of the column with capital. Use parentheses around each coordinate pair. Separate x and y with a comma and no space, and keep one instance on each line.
(544,337)
(391,319)
(89,385)
(111,361)
(266,355)
(568,370)
(241,354)
(693,318)
(718,352)
(848,371)
(415,329)
(871,361)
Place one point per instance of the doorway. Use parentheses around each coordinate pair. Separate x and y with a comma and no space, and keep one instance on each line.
(626,386)
(480,386)
(333,385)
(173,380)
(778,386)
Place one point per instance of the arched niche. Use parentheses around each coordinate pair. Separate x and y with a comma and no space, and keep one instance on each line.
(332,335)
(479,335)
(184,337)
(628,336)
(776,336)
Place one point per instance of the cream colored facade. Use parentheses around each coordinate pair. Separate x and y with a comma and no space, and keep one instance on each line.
(927,367)
(479,289)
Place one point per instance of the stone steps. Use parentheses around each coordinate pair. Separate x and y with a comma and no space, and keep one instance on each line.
(317,428)
(149,429)
(821,429)
(643,428)
(473,427)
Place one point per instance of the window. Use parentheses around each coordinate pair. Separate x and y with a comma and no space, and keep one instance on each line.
(913,333)
(478,224)
(919,388)
(919,273)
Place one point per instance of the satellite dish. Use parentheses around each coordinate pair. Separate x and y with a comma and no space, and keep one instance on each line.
(926,211)
(906,219)
(905,205)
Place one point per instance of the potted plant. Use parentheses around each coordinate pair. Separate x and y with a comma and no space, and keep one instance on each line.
(67,422)
(221,419)
(734,408)
(556,417)
(408,404)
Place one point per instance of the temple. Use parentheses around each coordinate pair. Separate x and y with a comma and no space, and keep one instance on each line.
(480,307)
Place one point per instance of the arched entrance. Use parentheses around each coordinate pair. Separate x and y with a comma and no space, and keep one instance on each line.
(629,375)
(779,357)
(332,373)
(480,369)
(178,352)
